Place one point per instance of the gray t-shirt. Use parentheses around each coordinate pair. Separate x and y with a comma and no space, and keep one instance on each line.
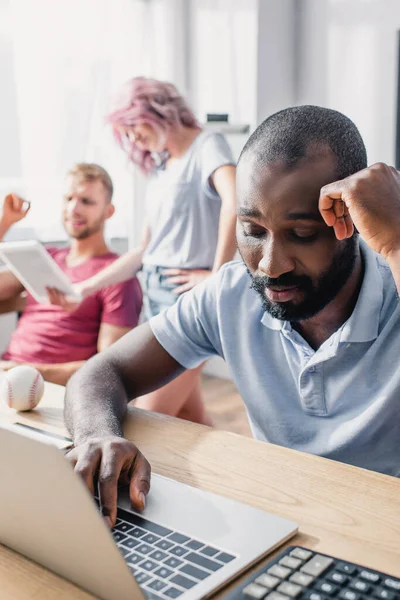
(182,209)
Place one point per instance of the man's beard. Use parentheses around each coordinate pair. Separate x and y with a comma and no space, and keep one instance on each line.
(83,234)
(316,297)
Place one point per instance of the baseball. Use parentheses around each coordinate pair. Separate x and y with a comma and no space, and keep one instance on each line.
(22,387)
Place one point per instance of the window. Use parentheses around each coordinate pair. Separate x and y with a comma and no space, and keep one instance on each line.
(61,63)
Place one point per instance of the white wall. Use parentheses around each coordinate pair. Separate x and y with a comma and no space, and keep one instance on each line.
(276,57)
(336,53)
(8,323)
(348,61)
(10,159)
(222,58)
(242,61)
(242,57)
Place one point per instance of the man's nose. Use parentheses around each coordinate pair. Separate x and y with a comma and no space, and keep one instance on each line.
(275,260)
(73,206)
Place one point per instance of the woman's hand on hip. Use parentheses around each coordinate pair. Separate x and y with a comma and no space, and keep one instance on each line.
(185,279)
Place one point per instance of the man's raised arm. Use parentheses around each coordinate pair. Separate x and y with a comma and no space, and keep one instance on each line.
(95,405)
(13,210)
(370,201)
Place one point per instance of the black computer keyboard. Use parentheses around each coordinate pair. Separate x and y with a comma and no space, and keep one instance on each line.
(165,563)
(305,575)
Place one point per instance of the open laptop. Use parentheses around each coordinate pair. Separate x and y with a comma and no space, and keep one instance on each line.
(186,543)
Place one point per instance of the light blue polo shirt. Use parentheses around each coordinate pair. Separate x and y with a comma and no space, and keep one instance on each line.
(341,401)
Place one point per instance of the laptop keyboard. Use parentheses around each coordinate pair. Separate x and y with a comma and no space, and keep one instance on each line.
(305,575)
(165,562)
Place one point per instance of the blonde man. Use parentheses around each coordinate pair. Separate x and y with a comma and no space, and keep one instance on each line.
(56,342)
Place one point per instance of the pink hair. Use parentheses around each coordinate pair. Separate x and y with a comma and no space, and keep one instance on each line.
(157,103)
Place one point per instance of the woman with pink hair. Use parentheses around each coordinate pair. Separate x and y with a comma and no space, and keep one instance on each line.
(190,214)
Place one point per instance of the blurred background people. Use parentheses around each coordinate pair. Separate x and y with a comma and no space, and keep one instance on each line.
(57,342)
(241,59)
(190,214)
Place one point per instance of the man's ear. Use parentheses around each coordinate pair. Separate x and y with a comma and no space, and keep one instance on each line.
(110,210)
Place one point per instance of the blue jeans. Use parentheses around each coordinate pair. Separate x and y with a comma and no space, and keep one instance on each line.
(158,294)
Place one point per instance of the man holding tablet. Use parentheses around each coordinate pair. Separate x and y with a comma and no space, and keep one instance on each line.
(57,342)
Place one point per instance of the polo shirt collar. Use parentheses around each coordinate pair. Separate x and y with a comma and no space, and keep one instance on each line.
(270,322)
(363,324)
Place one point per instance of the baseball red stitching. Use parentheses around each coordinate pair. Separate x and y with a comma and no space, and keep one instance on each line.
(10,394)
(32,391)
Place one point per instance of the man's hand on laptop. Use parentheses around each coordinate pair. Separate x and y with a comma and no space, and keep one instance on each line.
(112,460)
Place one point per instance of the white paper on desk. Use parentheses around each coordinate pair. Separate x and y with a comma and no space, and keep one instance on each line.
(35,433)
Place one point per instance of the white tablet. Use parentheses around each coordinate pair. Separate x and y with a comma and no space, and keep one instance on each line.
(33,266)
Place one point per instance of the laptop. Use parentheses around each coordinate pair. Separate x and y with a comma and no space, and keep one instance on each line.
(186,543)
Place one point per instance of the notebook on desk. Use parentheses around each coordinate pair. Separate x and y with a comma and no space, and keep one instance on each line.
(187,543)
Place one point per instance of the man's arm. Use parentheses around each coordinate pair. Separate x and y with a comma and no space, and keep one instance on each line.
(109,334)
(95,405)
(97,395)
(122,269)
(61,372)
(58,372)
(135,365)
(12,212)
(14,304)
(14,209)
(54,373)
(10,286)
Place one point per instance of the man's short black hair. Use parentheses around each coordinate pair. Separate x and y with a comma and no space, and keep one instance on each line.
(286,137)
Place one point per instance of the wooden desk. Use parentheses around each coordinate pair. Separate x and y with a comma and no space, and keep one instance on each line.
(341,510)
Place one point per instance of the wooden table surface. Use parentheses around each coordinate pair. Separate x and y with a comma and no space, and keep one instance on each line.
(345,511)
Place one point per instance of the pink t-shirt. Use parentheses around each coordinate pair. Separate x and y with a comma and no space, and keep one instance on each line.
(48,334)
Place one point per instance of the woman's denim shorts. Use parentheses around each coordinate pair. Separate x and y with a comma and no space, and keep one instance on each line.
(157,293)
